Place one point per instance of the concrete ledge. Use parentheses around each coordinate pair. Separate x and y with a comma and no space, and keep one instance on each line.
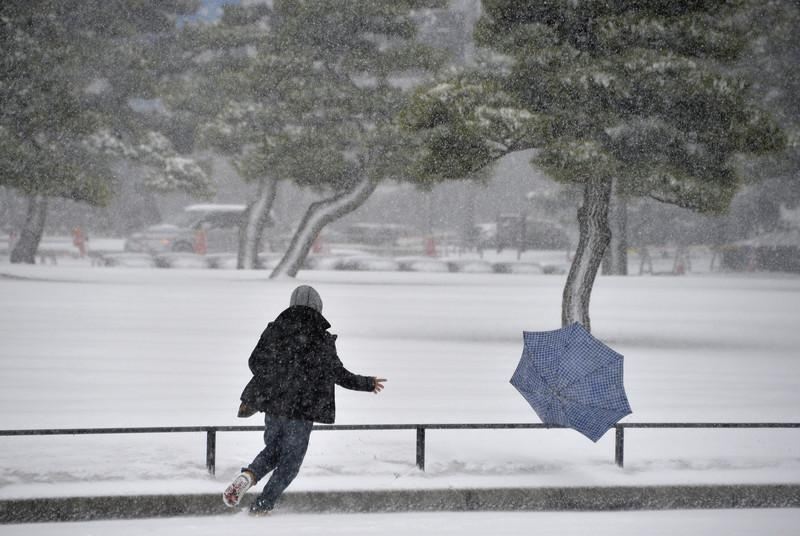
(507,499)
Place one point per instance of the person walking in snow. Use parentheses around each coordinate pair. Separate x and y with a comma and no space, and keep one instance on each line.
(295,368)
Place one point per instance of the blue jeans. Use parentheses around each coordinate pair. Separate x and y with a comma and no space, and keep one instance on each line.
(286,442)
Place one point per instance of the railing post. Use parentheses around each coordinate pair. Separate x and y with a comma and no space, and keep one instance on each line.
(211,450)
(619,445)
(421,448)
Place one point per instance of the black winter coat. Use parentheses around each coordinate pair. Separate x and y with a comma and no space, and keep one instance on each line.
(295,368)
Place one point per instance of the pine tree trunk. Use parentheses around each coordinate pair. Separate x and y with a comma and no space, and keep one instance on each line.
(318,215)
(615,261)
(594,238)
(252,229)
(31,234)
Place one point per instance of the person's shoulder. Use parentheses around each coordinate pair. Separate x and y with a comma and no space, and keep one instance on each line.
(298,311)
(309,315)
(303,318)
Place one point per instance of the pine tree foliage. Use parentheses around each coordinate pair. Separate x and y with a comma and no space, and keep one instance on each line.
(165,169)
(300,90)
(629,90)
(467,122)
(208,85)
(328,68)
(770,65)
(67,73)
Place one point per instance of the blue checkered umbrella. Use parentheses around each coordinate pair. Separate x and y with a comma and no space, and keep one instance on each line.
(572,379)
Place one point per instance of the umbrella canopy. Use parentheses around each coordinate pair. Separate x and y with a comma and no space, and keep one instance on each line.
(572,379)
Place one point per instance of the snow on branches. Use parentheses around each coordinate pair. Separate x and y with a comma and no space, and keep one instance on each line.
(473,121)
(167,171)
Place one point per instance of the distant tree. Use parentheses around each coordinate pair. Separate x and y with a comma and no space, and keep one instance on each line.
(303,91)
(769,64)
(213,88)
(342,67)
(67,74)
(611,92)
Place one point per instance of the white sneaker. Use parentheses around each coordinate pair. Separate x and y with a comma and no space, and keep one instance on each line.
(234,493)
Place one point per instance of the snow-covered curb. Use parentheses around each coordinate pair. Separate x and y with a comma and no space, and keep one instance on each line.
(453,500)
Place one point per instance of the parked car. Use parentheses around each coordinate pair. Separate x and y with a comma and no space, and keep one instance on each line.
(203,228)
(515,231)
(377,234)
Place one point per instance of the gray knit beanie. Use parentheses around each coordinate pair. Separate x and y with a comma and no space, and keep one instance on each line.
(305,295)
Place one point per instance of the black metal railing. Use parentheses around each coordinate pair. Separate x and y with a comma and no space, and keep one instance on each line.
(211,432)
(619,441)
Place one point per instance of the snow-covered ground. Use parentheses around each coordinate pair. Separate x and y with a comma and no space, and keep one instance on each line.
(116,347)
(696,522)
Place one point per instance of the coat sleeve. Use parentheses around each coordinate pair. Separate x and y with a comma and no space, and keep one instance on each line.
(344,377)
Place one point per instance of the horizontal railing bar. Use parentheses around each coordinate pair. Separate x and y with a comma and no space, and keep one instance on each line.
(332,427)
(79,431)
(434,426)
(710,425)
(428,426)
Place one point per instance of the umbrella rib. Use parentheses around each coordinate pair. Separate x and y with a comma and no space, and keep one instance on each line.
(595,407)
(564,397)
(592,371)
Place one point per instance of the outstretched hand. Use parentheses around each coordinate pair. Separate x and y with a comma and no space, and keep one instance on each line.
(378,385)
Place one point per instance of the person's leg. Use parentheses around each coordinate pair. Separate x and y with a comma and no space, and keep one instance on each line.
(294,445)
(263,463)
(266,460)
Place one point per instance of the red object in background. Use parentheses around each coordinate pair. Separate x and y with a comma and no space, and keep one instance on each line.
(316,247)
(430,247)
(79,240)
(200,242)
